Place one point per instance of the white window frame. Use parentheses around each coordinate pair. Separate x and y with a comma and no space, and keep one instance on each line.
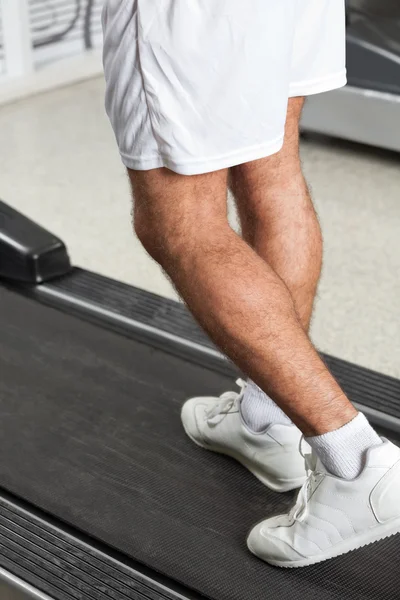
(18,53)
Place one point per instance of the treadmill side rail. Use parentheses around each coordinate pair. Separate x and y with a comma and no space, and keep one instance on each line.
(40,560)
(13,588)
(168,325)
(29,253)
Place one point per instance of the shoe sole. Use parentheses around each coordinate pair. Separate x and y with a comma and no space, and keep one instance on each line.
(287,486)
(380,532)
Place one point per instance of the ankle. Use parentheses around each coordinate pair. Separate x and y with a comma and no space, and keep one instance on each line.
(326,423)
(343,450)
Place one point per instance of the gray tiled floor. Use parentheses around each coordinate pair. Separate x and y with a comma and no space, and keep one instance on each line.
(59,165)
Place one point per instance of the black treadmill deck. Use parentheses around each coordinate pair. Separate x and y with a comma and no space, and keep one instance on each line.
(91,434)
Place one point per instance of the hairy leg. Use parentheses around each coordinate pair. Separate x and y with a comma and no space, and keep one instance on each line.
(237,297)
(278,219)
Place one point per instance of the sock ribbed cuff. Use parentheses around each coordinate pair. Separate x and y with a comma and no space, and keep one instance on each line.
(342,451)
(259,410)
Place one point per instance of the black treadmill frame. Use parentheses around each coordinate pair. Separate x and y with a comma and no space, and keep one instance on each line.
(44,553)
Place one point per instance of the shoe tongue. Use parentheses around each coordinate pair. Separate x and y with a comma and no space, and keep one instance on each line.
(314,463)
(320,467)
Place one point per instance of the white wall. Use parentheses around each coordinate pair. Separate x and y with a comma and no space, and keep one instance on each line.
(17,57)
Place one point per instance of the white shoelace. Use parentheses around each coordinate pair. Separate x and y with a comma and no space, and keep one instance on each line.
(299,511)
(226,402)
(218,412)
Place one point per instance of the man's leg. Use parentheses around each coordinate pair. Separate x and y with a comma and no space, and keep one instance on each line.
(173,105)
(236,296)
(278,220)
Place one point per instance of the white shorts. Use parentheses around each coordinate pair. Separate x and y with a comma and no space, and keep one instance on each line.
(202,85)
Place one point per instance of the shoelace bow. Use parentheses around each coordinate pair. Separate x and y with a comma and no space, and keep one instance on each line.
(226,402)
(299,511)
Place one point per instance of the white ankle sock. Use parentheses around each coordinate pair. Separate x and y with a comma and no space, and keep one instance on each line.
(343,451)
(258,410)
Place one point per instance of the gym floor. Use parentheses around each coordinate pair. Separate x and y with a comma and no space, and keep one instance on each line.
(59,165)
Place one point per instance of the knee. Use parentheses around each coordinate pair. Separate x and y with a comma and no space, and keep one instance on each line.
(166,241)
(174,242)
(151,237)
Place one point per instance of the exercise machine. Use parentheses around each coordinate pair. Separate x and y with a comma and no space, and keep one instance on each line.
(102,496)
(367,110)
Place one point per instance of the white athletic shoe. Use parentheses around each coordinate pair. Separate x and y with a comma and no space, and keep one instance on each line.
(333,516)
(272,456)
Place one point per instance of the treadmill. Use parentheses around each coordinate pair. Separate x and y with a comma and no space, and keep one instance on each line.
(367,110)
(102,496)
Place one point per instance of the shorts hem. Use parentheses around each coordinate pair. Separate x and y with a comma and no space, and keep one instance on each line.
(203,166)
(318,86)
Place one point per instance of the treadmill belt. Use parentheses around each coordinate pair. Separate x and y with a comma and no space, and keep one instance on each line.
(90,433)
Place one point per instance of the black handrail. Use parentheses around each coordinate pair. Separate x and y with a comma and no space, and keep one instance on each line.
(381,9)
